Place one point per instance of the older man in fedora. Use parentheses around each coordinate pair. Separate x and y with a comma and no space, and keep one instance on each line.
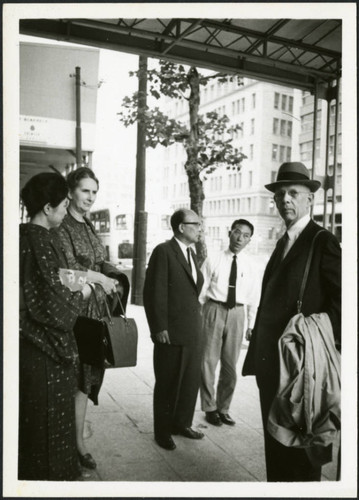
(293,195)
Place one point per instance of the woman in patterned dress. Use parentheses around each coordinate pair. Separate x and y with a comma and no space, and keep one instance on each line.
(84,251)
(48,362)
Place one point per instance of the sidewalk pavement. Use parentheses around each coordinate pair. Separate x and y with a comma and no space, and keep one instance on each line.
(119,432)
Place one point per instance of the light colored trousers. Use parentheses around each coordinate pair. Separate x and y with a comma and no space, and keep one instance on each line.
(223,334)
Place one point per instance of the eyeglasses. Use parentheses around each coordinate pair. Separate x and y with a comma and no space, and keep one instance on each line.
(292,193)
(245,236)
(198,224)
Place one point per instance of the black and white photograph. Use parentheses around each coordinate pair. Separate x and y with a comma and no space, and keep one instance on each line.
(180,250)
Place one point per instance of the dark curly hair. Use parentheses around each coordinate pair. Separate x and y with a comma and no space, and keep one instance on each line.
(74,177)
(41,189)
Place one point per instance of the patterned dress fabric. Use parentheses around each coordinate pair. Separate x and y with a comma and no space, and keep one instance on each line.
(84,250)
(48,367)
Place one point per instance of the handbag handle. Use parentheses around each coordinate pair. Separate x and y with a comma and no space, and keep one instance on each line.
(106,304)
(306,272)
(122,309)
(96,301)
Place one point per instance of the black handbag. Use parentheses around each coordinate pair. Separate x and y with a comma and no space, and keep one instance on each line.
(121,338)
(91,335)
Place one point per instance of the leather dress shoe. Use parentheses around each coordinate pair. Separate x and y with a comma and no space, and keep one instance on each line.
(87,461)
(165,442)
(213,418)
(188,432)
(226,419)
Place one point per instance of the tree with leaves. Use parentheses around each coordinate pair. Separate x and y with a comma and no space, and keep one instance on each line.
(207,139)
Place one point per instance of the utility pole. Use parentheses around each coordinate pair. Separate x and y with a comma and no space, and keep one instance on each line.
(140,227)
(78,118)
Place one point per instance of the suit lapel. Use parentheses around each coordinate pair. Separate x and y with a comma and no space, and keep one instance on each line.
(301,242)
(182,260)
(274,261)
(275,265)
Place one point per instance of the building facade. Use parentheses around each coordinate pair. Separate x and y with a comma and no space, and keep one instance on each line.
(269,117)
(321,150)
(48,106)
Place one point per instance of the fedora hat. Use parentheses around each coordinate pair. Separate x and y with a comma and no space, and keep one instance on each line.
(293,172)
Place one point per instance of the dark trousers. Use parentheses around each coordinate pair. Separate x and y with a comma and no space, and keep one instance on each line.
(178,373)
(284,463)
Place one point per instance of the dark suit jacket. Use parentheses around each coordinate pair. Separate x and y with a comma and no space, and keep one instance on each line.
(280,291)
(170,295)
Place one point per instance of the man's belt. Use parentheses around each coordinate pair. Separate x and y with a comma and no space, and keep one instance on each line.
(224,304)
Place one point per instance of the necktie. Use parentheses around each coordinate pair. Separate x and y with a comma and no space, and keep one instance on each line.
(189,258)
(285,245)
(231,299)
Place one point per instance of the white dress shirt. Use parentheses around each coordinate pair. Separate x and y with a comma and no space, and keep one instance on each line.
(294,231)
(184,250)
(216,270)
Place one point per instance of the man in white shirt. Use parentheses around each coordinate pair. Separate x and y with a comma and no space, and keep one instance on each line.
(230,295)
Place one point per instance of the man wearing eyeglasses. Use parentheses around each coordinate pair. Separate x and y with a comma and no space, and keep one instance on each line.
(293,196)
(230,295)
(172,286)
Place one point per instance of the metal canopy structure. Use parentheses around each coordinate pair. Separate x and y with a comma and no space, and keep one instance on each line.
(301,53)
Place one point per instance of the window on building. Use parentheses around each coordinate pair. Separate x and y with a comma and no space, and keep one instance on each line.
(273,175)
(251,152)
(233,107)
(239,180)
(250,178)
(270,233)
(283,127)
(274,151)
(101,220)
(243,104)
(290,104)
(237,106)
(249,204)
(252,126)
(289,129)
(275,126)
(242,129)
(284,102)
(307,122)
(276,100)
(121,221)
(281,153)
(238,205)
(253,101)
(289,153)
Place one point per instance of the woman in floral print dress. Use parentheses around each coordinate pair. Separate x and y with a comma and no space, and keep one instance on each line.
(84,251)
(48,361)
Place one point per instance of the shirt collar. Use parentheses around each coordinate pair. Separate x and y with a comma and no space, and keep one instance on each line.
(183,246)
(295,230)
(230,253)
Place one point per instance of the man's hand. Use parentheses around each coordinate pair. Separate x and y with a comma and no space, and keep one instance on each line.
(162,337)
(248,333)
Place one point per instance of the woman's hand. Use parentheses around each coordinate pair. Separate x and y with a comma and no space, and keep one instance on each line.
(86,291)
(120,290)
(108,284)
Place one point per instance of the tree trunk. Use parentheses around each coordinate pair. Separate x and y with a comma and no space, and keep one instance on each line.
(191,166)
